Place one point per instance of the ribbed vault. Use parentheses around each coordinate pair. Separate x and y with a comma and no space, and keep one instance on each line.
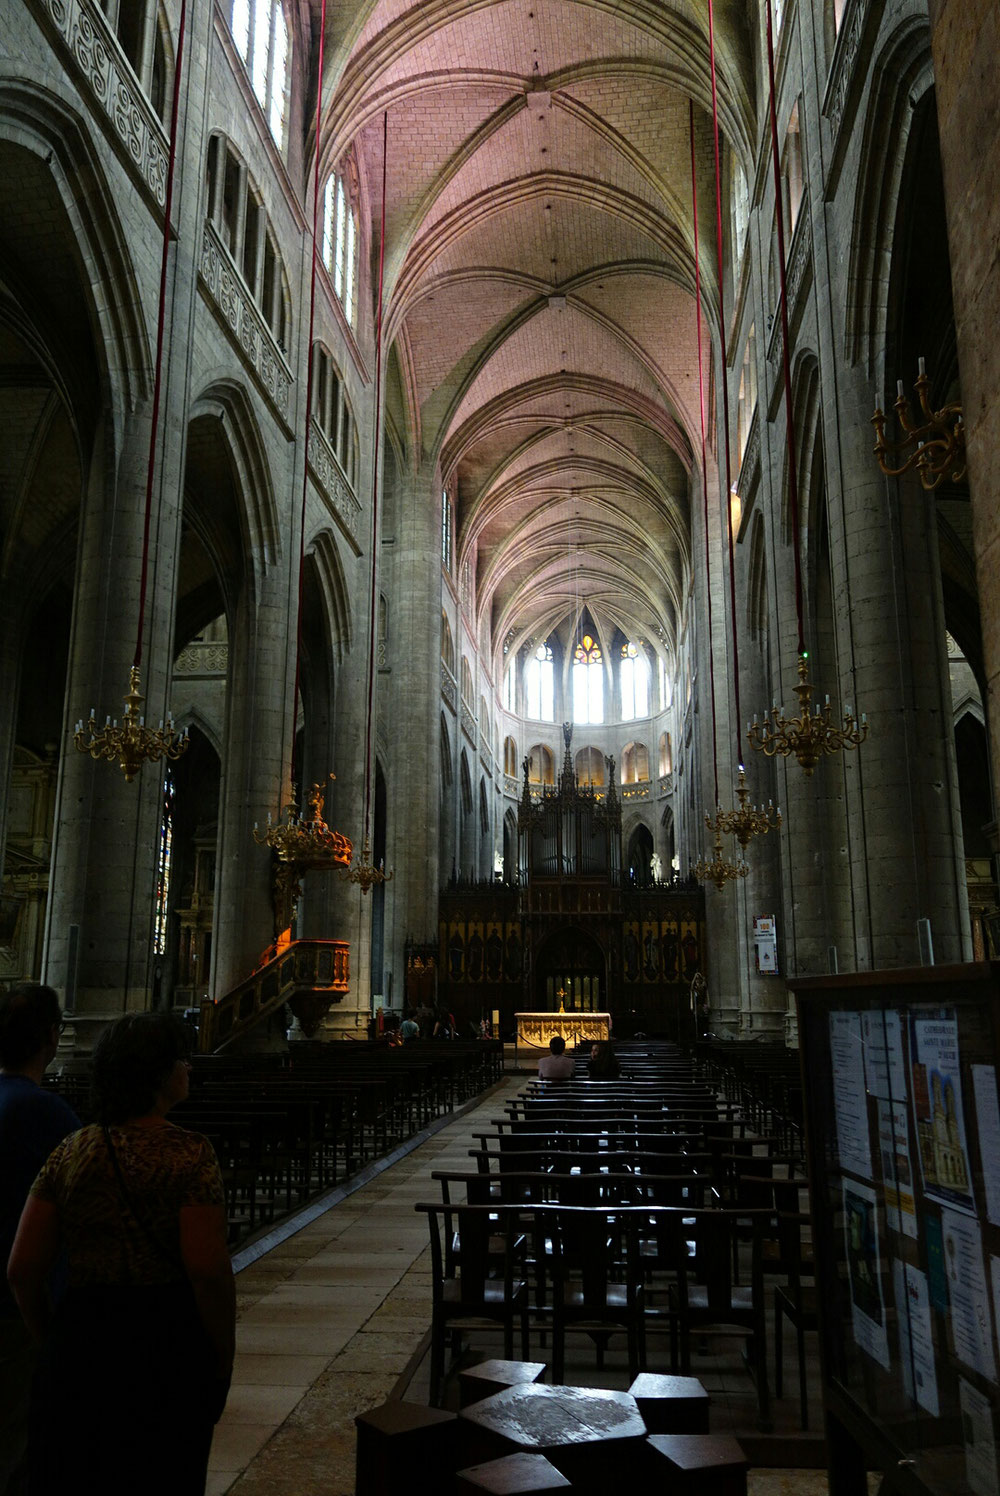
(539,277)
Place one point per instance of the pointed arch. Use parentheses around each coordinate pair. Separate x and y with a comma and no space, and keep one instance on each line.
(333,584)
(901,75)
(229,403)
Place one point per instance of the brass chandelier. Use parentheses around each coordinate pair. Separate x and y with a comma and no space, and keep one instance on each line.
(719,871)
(935,446)
(132,743)
(810,735)
(363,871)
(748,820)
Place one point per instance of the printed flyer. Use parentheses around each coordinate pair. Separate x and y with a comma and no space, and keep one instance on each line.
(971,1320)
(865,1271)
(897,1170)
(980,1441)
(937,1108)
(916,1340)
(850,1096)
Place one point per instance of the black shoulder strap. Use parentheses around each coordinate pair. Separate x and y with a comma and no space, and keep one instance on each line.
(163,1251)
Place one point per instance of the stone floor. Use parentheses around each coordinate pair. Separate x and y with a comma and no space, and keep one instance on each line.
(333,1320)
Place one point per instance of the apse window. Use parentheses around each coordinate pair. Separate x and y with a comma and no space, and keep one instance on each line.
(340,244)
(260,34)
(588,681)
(539,685)
(634,683)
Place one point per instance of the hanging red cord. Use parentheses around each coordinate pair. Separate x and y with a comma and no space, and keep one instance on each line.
(704,468)
(154,424)
(793,489)
(725,384)
(309,385)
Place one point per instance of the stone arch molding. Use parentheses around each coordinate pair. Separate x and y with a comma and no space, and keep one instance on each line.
(43,125)
(336,599)
(902,74)
(228,404)
(188,715)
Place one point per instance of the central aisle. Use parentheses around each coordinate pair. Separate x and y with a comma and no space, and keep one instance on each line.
(328,1323)
(331,1319)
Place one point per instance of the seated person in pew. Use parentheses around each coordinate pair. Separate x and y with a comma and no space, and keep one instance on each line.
(603,1064)
(557,1064)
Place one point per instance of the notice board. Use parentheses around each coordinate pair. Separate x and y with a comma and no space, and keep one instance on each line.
(903,1132)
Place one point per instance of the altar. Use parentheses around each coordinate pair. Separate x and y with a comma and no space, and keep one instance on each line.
(534,1030)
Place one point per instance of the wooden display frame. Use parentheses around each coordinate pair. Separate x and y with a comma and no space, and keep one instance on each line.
(903,1137)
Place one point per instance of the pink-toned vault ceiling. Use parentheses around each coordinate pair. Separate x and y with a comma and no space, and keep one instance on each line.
(540,313)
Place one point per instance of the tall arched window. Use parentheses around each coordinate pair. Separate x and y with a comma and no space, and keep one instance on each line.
(260,34)
(634,683)
(340,243)
(539,685)
(588,681)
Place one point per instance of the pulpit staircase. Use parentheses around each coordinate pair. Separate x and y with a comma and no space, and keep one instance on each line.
(306,974)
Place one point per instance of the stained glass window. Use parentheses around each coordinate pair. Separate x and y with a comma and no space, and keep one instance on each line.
(163,868)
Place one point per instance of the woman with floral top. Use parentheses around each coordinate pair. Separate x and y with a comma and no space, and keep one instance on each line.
(137,1355)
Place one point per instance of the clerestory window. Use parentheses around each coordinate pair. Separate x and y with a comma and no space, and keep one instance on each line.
(260,35)
(634,683)
(539,685)
(340,244)
(588,681)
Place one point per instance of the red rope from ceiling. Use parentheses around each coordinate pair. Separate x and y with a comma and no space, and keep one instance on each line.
(725,384)
(161,317)
(310,371)
(779,213)
(704,472)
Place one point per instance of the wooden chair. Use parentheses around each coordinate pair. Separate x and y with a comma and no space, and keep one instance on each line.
(704,1296)
(482,1293)
(794,1301)
(597,1281)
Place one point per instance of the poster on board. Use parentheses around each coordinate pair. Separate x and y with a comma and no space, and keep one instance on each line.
(864,1270)
(850,1094)
(980,1441)
(937,1110)
(916,1339)
(984,1086)
(897,1168)
(971,1320)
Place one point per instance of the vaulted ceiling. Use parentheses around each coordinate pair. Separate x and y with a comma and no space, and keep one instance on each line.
(540,315)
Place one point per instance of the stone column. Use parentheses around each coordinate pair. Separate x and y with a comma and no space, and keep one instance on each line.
(965,36)
(105,839)
(901,786)
(414,700)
